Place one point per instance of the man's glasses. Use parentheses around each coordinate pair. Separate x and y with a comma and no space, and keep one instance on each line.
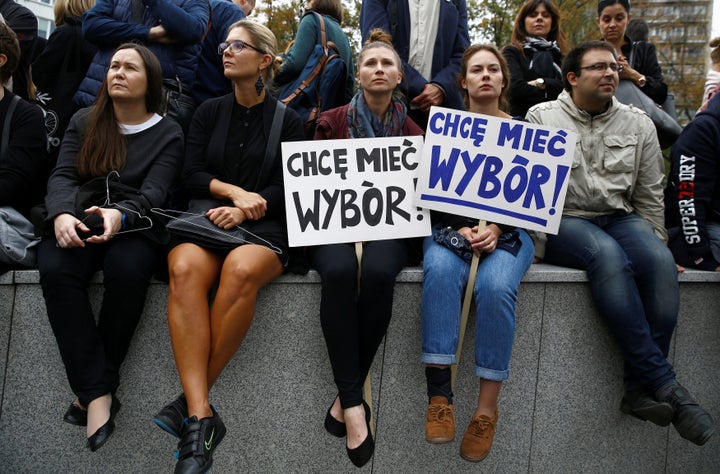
(235,47)
(602,67)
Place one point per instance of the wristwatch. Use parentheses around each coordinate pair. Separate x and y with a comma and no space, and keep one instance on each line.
(540,83)
(642,81)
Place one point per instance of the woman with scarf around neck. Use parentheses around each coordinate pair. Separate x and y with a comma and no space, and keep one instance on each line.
(534,56)
(354,317)
(506,253)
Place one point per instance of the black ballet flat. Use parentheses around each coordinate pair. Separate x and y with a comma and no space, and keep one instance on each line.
(363,453)
(75,415)
(333,426)
(100,437)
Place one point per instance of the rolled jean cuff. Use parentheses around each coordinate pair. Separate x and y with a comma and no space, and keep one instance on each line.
(490,374)
(438,359)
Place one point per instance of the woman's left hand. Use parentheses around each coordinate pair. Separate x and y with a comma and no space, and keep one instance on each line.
(483,242)
(628,72)
(112,222)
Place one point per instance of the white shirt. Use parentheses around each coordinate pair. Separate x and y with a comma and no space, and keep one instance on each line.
(424,19)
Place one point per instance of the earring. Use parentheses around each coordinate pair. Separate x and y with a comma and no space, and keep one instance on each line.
(259,84)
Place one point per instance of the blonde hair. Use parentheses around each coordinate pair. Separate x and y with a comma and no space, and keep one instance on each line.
(70,8)
(263,39)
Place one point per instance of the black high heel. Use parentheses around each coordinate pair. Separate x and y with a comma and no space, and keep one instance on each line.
(100,437)
(363,453)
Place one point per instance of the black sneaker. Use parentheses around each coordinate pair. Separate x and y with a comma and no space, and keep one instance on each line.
(690,420)
(172,416)
(199,440)
(641,404)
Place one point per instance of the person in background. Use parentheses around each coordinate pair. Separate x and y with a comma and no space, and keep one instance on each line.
(25,25)
(224,157)
(534,56)
(293,61)
(22,162)
(638,30)
(506,252)
(712,80)
(355,308)
(613,227)
(430,54)
(638,59)
(210,79)
(121,132)
(62,65)
(172,29)
(692,194)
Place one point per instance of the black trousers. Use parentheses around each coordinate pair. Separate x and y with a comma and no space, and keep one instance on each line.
(92,353)
(354,318)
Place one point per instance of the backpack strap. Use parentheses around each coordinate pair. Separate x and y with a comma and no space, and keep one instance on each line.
(6,125)
(272,144)
(322,36)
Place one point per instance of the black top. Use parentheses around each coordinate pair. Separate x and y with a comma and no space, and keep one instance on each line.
(23,168)
(522,95)
(644,60)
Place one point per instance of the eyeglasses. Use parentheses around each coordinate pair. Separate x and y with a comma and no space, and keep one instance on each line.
(236,46)
(602,67)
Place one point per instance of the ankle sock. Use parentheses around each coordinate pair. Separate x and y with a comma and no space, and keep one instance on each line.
(438,383)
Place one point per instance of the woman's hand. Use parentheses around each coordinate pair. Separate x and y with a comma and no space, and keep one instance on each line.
(66,227)
(226,217)
(251,204)
(483,242)
(112,223)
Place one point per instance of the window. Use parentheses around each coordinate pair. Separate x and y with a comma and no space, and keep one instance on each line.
(45,27)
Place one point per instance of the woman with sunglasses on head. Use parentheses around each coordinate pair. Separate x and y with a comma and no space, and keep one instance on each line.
(506,252)
(225,156)
(123,133)
(355,309)
(638,59)
(534,56)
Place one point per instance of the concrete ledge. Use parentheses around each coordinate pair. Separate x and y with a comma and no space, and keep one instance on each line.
(558,413)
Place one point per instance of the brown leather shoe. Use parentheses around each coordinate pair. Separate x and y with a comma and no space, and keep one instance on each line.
(439,421)
(478,438)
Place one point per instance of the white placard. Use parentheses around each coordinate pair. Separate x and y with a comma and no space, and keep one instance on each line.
(501,170)
(352,190)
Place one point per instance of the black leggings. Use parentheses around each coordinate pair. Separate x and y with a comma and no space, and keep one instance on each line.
(354,322)
(92,353)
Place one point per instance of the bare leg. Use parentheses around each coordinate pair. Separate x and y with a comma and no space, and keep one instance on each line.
(245,271)
(98,413)
(488,398)
(356,426)
(193,270)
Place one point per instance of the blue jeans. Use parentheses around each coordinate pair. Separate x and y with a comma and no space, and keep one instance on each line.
(495,292)
(634,284)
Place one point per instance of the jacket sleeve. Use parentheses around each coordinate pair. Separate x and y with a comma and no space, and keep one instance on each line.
(196,176)
(447,76)
(696,151)
(49,62)
(101,28)
(655,87)
(186,23)
(24,159)
(647,195)
(300,51)
(522,95)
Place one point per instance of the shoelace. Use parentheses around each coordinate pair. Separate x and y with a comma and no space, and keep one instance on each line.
(480,426)
(440,413)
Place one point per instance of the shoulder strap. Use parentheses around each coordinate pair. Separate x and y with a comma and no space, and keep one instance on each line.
(631,58)
(272,144)
(6,125)
(322,36)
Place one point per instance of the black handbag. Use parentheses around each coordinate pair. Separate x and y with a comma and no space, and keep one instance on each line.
(668,130)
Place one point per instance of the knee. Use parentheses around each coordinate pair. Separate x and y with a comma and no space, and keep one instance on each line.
(242,277)
(338,273)
(181,274)
(380,275)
